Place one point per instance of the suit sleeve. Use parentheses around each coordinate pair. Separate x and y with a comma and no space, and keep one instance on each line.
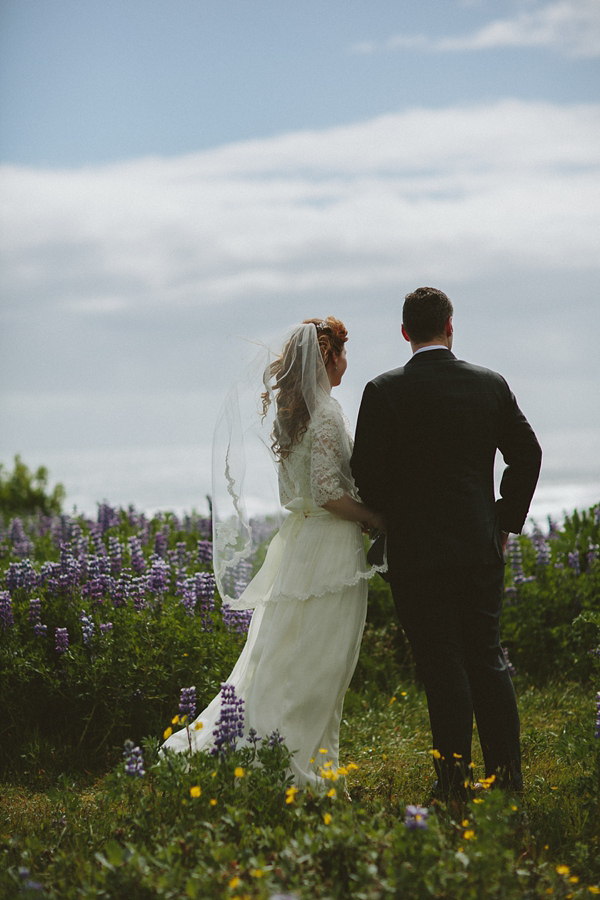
(370,457)
(523,457)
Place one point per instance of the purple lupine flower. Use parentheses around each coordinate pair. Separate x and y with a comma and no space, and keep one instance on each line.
(137,593)
(187,590)
(236,620)
(187,702)
(253,737)
(134,761)
(21,576)
(138,563)
(105,627)
(592,555)
(181,554)
(35,610)
(573,560)
(22,546)
(511,669)
(158,577)
(40,630)
(160,543)
(275,739)
(230,724)
(62,640)
(542,552)
(7,619)
(415,818)
(516,561)
(115,552)
(205,593)
(205,552)
(87,628)
(597,734)
(107,517)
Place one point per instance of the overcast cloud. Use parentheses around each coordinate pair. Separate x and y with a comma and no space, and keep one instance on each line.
(126,284)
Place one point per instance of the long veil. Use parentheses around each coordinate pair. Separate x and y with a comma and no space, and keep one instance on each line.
(251,434)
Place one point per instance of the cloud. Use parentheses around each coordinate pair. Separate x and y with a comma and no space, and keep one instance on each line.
(123,285)
(458,191)
(571,27)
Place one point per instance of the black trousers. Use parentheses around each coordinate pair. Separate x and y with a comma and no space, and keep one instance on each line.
(451,619)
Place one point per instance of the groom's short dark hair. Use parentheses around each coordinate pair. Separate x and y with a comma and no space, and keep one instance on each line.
(425,313)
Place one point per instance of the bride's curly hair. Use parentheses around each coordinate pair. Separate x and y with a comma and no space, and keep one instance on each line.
(292,417)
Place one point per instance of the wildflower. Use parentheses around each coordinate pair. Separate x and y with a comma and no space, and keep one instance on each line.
(322,750)
(327,818)
(469,835)
(167,733)
(253,737)
(62,640)
(198,726)
(40,630)
(275,739)
(415,817)
(134,761)
(235,882)
(87,627)
(573,560)
(230,724)
(238,772)
(593,889)
(511,669)
(35,611)
(597,734)
(187,702)
(105,627)
(213,802)
(563,870)
(436,754)
(290,794)
(256,873)
(393,700)
(195,791)
(573,879)
(331,793)
(6,610)
(352,767)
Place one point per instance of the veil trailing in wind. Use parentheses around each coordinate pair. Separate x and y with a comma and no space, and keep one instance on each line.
(259,458)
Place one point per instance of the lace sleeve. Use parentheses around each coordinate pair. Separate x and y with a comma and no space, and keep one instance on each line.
(328,458)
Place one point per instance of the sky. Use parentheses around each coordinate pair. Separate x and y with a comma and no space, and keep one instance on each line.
(179,179)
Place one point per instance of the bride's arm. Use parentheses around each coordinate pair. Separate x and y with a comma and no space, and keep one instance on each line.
(347,508)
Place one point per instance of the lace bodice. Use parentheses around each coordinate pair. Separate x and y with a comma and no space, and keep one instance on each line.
(318,468)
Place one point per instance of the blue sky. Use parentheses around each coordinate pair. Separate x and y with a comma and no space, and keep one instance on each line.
(176,176)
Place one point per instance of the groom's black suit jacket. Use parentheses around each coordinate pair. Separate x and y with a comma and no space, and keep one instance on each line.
(426,438)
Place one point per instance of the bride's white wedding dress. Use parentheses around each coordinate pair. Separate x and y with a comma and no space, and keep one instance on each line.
(310,601)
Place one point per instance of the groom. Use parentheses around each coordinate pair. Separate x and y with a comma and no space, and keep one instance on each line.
(426,439)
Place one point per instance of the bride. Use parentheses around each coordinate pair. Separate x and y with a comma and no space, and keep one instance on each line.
(310,595)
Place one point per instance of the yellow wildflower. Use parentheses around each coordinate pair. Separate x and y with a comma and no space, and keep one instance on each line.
(213,802)
(256,873)
(574,879)
(195,791)
(465,822)
(213,774)
(405,693)
(343,770)
(393,700)
(477,799)
(469,835)
(327,818)
(331,793)
(167,733)
(238,772)
(352,767)
(594,889)
(235,881)
(198,726)
(563,870)
(290,794)
(175,720)
(322,750)
(436,754)
(457,755)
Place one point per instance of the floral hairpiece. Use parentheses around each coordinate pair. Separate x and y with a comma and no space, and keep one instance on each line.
(321,325)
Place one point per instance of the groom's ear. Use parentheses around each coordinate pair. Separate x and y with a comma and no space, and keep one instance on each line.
(449,329)
(405,334)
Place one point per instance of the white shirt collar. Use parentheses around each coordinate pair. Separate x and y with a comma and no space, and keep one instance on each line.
(430,347)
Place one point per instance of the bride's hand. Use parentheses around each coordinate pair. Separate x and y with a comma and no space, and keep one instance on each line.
(373,522)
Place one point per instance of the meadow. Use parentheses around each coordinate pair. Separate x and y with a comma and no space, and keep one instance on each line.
(106,624)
